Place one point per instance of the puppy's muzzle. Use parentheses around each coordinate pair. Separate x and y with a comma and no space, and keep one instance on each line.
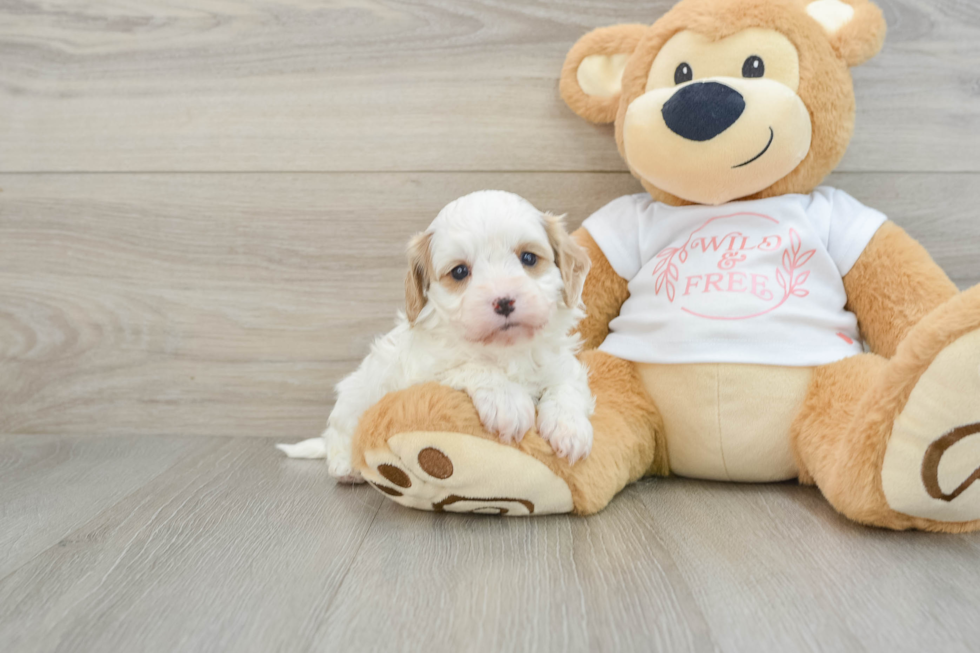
(503,306)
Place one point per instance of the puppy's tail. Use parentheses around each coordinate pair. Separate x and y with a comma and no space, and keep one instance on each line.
(312,448)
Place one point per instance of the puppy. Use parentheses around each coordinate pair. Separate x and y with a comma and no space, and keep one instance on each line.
(493,291)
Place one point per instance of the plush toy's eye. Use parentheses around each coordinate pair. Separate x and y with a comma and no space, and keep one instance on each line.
(683,74)
(753,67)
(460,272)
(529,259)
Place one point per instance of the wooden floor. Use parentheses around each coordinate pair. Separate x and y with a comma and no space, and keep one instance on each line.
(207,544)
(203,211)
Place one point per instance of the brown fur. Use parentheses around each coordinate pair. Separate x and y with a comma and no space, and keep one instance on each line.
(628,430)
(825,82)
(843,430)
(604,293)
(863,37)
(420,275)
(629,435)
(892,287)
(823,424)
(620,39)
(572,259)
(544,254)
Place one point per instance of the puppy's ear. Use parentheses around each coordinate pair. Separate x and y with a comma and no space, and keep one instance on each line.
(419,275)
(571,259)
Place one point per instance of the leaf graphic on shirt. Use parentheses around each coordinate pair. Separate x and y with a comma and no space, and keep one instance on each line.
(682,257)
(666,271)
(791,282)
(806,256)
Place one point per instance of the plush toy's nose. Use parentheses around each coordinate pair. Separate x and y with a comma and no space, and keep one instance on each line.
(701,111)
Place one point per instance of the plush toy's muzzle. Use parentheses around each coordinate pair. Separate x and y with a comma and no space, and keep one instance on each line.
(718,139)
(716,102)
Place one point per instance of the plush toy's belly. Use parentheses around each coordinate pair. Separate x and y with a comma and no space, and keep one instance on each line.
(728,422)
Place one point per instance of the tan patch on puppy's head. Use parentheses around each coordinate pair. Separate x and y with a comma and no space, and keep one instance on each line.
(545,258)
(452,284)
(572,260)
(420,275)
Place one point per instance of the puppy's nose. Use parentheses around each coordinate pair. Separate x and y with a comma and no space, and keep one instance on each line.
(503,306)
(701,111)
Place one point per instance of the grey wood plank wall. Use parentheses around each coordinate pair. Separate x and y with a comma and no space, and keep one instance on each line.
(203,206)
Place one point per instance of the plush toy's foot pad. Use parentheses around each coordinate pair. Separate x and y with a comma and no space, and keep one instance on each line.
(932,464)
(454,472)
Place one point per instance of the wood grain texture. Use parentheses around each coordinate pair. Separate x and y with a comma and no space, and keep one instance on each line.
(234,548)
(400,85)
(211,304)
(776,564)
(231,304)
(463,583)
(51,485)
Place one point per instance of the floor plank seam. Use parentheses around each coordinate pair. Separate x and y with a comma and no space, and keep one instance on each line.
(195,452)
(353,559)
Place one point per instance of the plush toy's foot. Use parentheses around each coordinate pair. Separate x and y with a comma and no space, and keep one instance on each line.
(425,447)
(896,443)
(456,472)
(931,467)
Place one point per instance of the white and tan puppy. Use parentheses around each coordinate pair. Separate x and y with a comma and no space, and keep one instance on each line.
(493,291)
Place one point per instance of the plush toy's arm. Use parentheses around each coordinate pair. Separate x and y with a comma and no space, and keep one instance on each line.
(604,293)
(893,285)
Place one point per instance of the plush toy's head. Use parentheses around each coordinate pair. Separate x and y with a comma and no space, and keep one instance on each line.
(727,99)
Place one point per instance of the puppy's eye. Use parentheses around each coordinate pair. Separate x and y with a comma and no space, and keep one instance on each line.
(753,67)
(683,74)
(460,272)
(528,259)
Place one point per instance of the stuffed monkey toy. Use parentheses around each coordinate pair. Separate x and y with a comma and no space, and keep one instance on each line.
(729,306)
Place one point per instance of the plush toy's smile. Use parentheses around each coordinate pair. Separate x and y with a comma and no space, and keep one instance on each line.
(702,141)
(758,156)
(693,129)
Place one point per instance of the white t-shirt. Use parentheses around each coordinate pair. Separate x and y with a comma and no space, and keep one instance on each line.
(746,282)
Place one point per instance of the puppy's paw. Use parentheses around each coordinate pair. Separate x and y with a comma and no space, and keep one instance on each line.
(339,457)
(506,411)
(567,430)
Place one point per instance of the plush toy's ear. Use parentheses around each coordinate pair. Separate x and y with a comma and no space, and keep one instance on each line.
(856,28)
(570,257)
(419,275)
(592,77)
